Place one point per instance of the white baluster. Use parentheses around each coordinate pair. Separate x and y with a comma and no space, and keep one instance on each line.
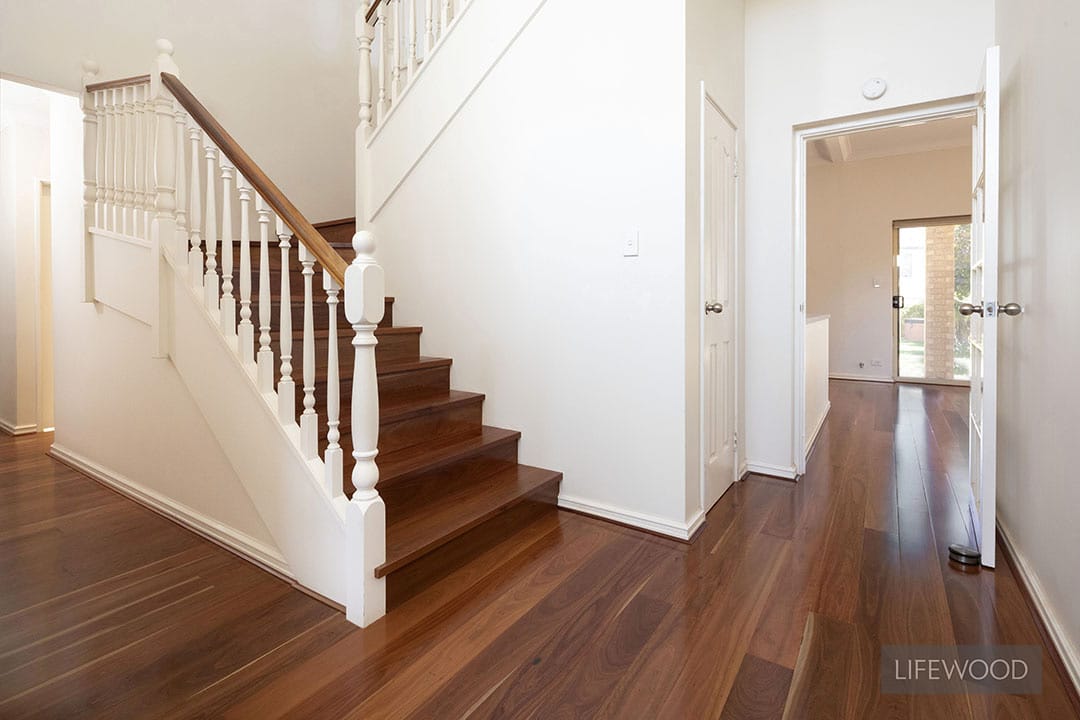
(266,354)
(99,106)
(128,161)
(211,282)
(139,204)
(412,39)
(110,159)
(228,302)
(447,14)
(286,386)
(333,457)
(429,28)
(195,255)
(365,518)
(150,128)
(309,420)
(246,331)
(364,37)
(181,184)
(395,76)
(91,188)
(384,59)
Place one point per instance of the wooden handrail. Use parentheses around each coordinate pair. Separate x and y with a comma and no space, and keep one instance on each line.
(312,239)
(371,10)
(122,82)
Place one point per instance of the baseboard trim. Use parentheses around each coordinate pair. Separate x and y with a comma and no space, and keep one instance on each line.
(13,429)
(817,428)
(777,471)
(641,521)
(231,539)
(861,378)
(1064,656)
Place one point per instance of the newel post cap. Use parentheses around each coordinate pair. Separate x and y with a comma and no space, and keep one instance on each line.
(365,284)
(163,63)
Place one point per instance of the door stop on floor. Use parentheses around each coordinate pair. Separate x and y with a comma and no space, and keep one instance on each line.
(964,554)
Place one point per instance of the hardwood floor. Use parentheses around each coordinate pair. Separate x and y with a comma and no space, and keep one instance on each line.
(777,609)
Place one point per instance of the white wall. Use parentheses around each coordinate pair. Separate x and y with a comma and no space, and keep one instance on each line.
(1039,393)
(714,54)
(505,243)
(24,163)
(280,77)
(850,210)
(807,61)
(116,407)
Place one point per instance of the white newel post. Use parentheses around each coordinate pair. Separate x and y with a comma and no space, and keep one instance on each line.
(366,515)
(333,457)
(163,227)
(309,420)
(92,178)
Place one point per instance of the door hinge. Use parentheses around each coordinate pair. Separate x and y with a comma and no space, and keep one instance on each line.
(736,434)
(736,174)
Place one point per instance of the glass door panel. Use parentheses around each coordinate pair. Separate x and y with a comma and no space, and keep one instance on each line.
(933,275)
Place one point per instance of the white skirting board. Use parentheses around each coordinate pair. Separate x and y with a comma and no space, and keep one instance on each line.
(634,519)
(12,429)
(1070,654)
(787,473)
(232,539)
(812,436)
(861,378)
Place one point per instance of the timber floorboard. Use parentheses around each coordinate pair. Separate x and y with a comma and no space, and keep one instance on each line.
(777,609)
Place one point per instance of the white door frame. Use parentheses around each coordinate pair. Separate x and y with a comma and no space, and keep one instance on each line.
(804,134)
(706,97)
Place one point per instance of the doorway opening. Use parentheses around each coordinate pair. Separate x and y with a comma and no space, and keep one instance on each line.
(859,181)
(931,280)
(28,166)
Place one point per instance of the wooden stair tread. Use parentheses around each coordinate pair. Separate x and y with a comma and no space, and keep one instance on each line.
(414,529)
(407,463)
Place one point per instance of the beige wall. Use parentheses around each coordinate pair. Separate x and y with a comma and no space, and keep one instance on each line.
(850,211)
(1039,391)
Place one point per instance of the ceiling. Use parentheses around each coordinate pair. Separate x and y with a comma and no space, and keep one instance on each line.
(899,140)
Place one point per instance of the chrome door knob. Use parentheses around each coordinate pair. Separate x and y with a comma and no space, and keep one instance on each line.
(714,307)
(967,309)
(1011,309)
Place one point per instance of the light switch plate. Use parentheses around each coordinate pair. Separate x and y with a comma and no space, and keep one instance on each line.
(631,243)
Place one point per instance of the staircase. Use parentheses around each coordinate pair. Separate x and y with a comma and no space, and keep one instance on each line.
(442,472)
(367,470)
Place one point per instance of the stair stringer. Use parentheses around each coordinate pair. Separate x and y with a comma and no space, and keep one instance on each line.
(286,489)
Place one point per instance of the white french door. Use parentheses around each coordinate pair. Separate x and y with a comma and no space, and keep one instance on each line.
(719,223)
(983,309)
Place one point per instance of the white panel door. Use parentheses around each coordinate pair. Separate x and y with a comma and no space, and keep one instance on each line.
(719,218)
(983,309)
